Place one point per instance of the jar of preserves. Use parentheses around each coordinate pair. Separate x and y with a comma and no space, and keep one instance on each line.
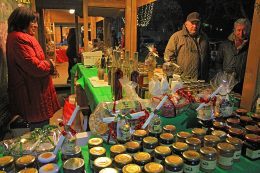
(108,170)
(256,117)
(74,165)
(245,120)
(179,147)
(251,147)
(199,133)
(121,160)
(26,161)
(191,161)
(139,135)
(166,139)
(173,163)
(160,153)
(153,167)
(95,142)
(211,141)
(132,168)
(237,143)
(94,153)
(169,129)
(208,159)
(7,164)
(236,132)
(221,134)
(29,170)
(132,147)
(67,154)
(250,129)
(218,125)
(117,149)
(182,136)
(49,168)
(142,158)
(225,155)
(149,144)
(241,111)
(193,143)
(101,163)
(233,122)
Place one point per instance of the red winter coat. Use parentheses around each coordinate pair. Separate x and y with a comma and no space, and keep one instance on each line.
(30,88)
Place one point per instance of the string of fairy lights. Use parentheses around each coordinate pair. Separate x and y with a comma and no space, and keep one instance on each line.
(144,15)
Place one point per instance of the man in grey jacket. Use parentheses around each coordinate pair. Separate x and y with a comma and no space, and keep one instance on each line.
(232,54)
(190,47)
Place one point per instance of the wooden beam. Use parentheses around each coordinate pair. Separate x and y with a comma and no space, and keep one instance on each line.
(249,93)
(144,2)
(85,19)
(107,4)
(93,26)
(77,28)
(133,28)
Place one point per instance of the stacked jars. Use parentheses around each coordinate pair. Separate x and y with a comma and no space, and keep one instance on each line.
(225,155)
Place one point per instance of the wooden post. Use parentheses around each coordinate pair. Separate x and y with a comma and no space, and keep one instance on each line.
(77,32)
(85,20)
(128,12)
(93,26)
(133,28)
(249,93)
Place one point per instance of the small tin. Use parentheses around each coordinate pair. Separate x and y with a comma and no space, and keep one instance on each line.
(160,153)
(153,167)
(182,136)
(132,147)
(94,153)
(149,144)
(74,165)
(7,164)
(26,161)
(117,149)
(237,143)
(142,158)
(179,147)
(95,142)
(225,155)
(193,143)
(173,163)
(101,163)
(166,139)
(132,168)
(211,141)
(208,159)
(121,160)
(191,161)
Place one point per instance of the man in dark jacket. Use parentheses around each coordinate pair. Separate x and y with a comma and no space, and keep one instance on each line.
(190,47)
(232,53)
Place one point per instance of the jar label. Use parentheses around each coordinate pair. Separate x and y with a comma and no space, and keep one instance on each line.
(191,169)
(237,155)
(225,161)
(208,164)
(168,171)
(148,150)
(253,154)
(157,160)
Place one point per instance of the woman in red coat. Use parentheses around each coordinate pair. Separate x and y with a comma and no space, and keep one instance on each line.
(30,88)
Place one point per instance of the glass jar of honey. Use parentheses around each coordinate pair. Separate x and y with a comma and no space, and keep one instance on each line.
(26,161)
(139,135)
(182,136)
(142,158)
(169,129)
(173,163)
(160,153)
(193,143)
(211,141)
(166,139)
(149,144)
(208,159)
(117,149)
(7,164)
(199,133)
(132,168)
(245,120)
(241,112)
(221,134)
(236,132)
(132,147)
(191,161)
(94,153)
(121,160)
(95,142)
(101,163)
(250,129)
(153,167)
(233,122)
(237,143)
(225,155)
(179,147)
(256,117)
(251,147)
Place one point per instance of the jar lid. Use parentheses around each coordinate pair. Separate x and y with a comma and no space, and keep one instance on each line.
(97,151)
(191,155)
(253,138)
(150,140)
(246,118)
(46,157)
(234,141)
(25,160)
(166,136)
(5,160)
(49,168)
(199,131)
(118,148)
(236,131)
(29,170)
(174,160)
(256,116)
(153,167)
(132,145)
(233,120)
(123,158)
(211,138)
(169,128)
(162,150)
(224,146)
(252,128)
(102,162)
(218,124)
(73,163)
(132,168)
(209,151)
(95,141)
(108,170)
(140,133)
(183,134)
(142,156)
(219,133)
(180,146)
(193,141)
(241,111)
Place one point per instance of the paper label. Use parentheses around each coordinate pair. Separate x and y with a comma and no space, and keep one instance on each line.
(237,155)
(225,161)
(191,169)
(253,154)
(205,164)
(167,171)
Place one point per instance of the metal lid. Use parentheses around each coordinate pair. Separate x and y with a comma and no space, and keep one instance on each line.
(191,155)
(162,150)
(234,141)
(252,128)
(236,131)
(108,170)
(46,157)
(153,167)
(180,146)
(132,145)
(169,128)
(193,141)
(166,136)
(208,151)
(132,168)
(102,162)
(97,151)
(25,160)
(73,164)
(246,118)
(95,141)
(219,133)
(118,148)
(233,120)
(123,159)
(241,111)
(256,116)
(142,156)
(198,131)
(226,147)
(253,138)
(174,160)
(184,134)
(211,138)
(49,168)
(5,160)
(29,170)
(140,133)
(150,140)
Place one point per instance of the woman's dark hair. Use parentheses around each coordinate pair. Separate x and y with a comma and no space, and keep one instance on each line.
(20,19)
